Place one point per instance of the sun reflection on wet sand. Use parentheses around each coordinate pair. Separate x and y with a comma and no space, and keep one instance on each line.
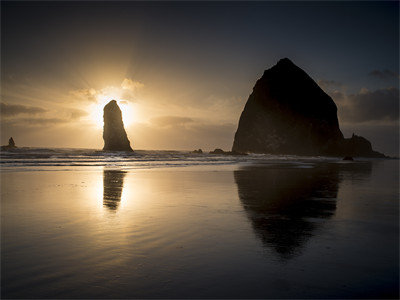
(113,184)
(181,233)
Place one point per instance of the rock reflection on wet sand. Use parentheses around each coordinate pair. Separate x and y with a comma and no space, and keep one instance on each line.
(113,184)
(286,205)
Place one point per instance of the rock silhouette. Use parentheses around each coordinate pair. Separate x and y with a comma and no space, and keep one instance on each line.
(11,142)
(358,146)
(288,113)
(348,158)
(10,146)
(218,151)
(114,135)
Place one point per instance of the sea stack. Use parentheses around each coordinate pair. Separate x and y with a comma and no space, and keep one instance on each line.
(114,135)
(11,143)
(10,146)
(288,113)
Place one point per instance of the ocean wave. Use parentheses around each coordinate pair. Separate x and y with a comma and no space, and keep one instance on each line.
(55,157)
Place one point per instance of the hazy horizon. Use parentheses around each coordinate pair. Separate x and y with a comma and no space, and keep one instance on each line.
(182,71)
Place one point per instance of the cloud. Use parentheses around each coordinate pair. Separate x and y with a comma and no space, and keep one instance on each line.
(85,94)
(75,114)
(166,121)
(129,89)
(38,121)
(21,115)
(129,84)
(327,84)
(366,106)
(17,109)
(384,74)
(126,91)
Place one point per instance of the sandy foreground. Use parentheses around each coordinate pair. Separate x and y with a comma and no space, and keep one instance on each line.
(243,231)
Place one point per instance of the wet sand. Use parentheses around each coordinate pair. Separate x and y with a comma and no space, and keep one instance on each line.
(284,230)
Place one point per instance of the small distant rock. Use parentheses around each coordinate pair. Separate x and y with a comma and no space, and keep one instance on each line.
(199,151)
(10,146)
(348,158)
(219,151)
(359,146)
(11,142)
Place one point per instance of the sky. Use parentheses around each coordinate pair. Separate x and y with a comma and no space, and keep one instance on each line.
(183,71)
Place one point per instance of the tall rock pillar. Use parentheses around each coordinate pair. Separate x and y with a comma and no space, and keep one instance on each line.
(114,135)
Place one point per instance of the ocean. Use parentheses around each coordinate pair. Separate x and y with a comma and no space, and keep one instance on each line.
(81,223)
(140,159)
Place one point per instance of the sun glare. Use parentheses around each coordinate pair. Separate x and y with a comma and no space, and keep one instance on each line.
(127,109)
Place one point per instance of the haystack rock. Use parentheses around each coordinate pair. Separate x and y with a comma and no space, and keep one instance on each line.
(114,135)
(288,113)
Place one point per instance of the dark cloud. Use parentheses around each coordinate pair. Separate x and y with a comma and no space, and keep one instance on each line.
(326,84)
(16,109)
(378,105)
(171,121)
(17,116)
(37,121)
(384,74)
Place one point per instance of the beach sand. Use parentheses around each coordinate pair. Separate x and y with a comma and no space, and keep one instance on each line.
(284,230)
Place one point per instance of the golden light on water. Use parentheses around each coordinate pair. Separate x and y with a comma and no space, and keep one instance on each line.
(113,190)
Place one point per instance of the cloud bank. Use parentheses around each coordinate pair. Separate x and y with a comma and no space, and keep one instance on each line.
(165,121)
(367,106)
(7,109)
(383,74)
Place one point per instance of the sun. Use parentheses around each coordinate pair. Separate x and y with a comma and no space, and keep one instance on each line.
(104,96)
(127,109)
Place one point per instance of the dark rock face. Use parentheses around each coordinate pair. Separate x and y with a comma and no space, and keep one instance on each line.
(348,158)
(10,146)
(114,135)
(218,151)
(288,113)
(11,142)
(358,146)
